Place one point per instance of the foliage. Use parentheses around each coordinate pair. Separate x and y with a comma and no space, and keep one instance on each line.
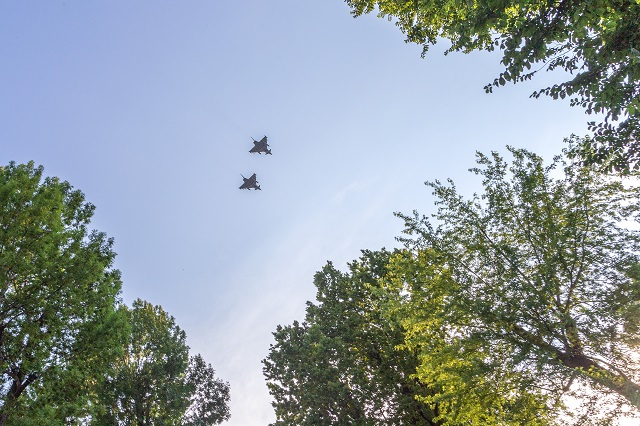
(58,300)
(596,41)
(538,288)
(75,385)
(154,382)
(340,366)
(209,400)
(343,364)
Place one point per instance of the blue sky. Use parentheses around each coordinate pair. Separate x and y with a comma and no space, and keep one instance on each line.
(149,108)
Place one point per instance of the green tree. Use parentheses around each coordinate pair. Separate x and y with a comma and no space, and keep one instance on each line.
(340,367)
(596,41)
(209,398)
(155,382)
(348,363)
(538,287)
(59,318)
(344,365)
(69,395)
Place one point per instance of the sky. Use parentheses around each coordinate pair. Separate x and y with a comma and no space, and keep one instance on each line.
(149,108)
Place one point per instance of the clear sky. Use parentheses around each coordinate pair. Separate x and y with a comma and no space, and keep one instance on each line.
(149,108)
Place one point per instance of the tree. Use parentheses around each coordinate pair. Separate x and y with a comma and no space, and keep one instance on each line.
(59,301)
(155,382)
(596,41)
(340,366)
(537,287)
(209,399)
(69,395)
(347,362)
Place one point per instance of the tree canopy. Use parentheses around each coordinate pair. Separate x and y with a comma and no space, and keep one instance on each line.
(155,381)
(348,363)
(70,351)
(340,366)
(59,317)
(597,42)
(538,287)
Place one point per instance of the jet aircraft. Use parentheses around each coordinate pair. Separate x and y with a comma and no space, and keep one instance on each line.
(250,183)
(260,146)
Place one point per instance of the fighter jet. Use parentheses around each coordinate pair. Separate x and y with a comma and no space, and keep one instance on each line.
(250,183)
(260,146)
